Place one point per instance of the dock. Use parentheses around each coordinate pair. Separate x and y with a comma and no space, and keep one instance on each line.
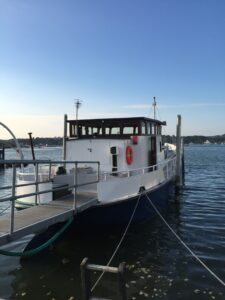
(40,217)
(19,223)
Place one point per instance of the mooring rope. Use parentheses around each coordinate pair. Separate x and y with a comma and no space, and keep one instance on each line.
(183,243)
(120,242)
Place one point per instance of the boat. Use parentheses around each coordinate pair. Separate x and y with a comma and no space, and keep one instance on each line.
(207,142)
(133,163)
(127,162)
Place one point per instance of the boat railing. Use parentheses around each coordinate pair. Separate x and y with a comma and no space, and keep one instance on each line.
(36,182)
(167,166)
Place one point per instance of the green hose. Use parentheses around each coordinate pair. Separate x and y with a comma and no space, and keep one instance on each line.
(40,248)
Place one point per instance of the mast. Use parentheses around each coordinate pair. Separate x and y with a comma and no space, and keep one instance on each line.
(154,106)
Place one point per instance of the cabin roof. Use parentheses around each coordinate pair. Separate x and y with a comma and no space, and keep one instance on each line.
(108,121)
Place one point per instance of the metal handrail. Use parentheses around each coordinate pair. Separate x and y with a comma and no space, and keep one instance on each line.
(24,184)
(36,182)
(133,172)
(41,161)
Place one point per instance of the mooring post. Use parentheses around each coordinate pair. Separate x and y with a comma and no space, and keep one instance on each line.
(85,279)
(31,145)
(121,281)
(36,183)
(13,199)
(178,180)
(75,188)
(64,138)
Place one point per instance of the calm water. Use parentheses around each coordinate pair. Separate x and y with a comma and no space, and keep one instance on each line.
(158,267)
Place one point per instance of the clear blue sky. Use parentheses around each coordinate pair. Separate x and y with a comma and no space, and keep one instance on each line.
(115,55)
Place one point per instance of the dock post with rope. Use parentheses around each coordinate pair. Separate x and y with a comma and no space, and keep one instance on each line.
(86,278)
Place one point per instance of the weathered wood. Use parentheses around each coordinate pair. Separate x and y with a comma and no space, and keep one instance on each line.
(178,153)
(121,281)
(86,279)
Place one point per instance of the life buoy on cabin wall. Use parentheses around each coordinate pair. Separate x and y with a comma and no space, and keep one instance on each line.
(129,155)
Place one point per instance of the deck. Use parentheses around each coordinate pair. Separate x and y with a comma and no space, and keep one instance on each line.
(40,217)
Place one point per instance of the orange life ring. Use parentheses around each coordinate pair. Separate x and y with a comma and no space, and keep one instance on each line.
(129,155)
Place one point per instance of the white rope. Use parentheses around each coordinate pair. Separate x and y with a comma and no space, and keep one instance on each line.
(120,242)
(183,243)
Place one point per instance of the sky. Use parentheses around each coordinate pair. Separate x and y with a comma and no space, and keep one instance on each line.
(114,55)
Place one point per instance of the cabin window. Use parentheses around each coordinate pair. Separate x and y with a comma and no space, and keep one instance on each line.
(82,130)
(107,130)
(129,130)
(95,130)
(153,129)
(148,128)
(115,130)
(159,129)
(115,127)
(72,133)
(143,128)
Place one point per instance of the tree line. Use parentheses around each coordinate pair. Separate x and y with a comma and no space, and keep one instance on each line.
(58,141)
(196,139)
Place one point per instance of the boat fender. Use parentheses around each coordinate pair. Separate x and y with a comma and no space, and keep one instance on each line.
(129,155)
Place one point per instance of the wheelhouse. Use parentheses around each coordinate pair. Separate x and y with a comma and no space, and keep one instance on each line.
(114,128)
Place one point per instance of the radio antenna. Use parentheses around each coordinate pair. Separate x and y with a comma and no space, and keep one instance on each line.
(78,104)
(154,106)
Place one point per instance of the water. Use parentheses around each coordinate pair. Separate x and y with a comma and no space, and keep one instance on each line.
(158,267)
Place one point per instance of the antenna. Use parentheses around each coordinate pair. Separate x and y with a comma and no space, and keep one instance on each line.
(78,104)
(154,106)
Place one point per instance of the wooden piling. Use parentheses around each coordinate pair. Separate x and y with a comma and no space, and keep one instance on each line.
(86,278)
(178,180)
(64,137)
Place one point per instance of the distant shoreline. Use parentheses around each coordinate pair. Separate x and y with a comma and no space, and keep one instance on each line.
(41,142)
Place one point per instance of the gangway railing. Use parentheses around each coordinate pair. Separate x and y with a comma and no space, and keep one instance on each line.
(36,182)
